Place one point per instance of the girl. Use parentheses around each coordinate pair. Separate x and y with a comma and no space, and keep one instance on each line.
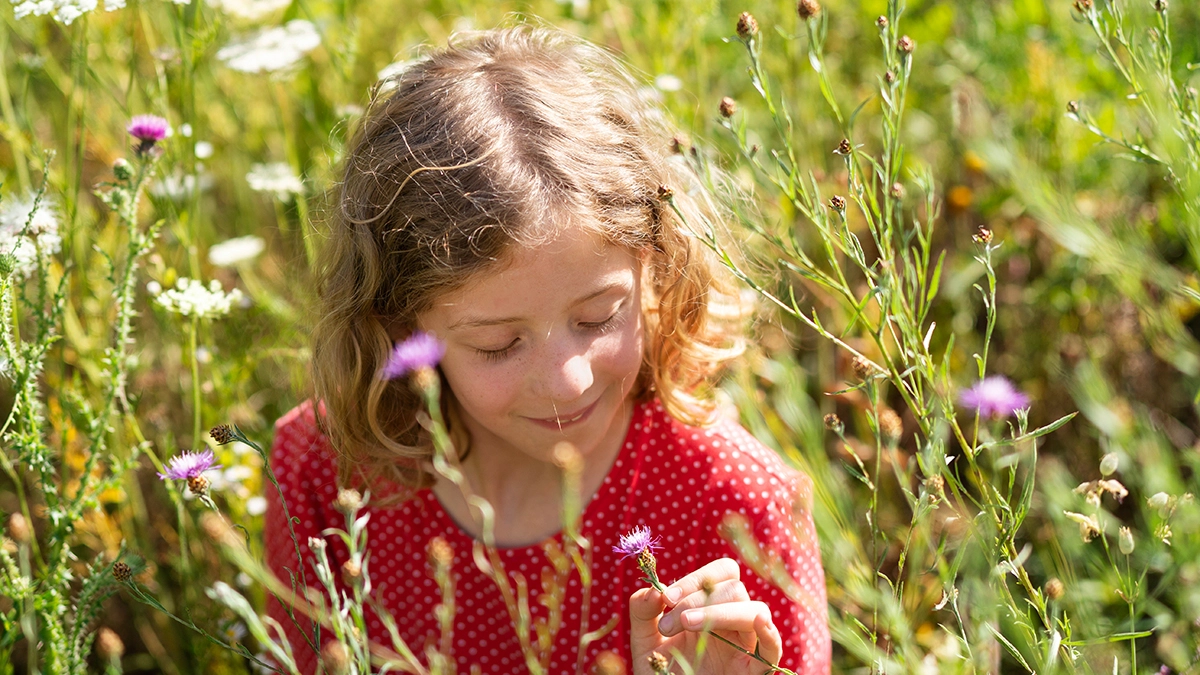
(504,196)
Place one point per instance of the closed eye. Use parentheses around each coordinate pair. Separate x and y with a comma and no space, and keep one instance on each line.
(497,354)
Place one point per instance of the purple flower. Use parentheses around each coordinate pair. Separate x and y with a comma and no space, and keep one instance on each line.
(420,350)
(633,544)
(148,128)
(188,465)
(994,397)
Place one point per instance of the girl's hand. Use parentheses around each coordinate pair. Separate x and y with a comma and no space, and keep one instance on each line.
(710,599)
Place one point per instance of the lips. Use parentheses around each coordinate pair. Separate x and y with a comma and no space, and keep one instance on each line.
(565,420)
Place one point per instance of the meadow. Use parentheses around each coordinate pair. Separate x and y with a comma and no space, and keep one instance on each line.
(924,194)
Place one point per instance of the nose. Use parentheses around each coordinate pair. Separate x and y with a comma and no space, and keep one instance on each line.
(566,375)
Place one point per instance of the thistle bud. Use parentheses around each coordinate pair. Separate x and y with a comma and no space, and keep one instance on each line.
(838,203)
(658,663)
(335,657)
(807,9)
(18,529)
(109,646)
(122,170)
(348,501)
(747,26)
(1055,589)
(221,434)
(8,264)
(198,485)
(906,45)
(1125,540)
(122,572)
(1108,464)
(834,424)
(728,107)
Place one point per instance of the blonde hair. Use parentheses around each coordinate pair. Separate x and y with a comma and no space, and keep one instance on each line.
(473,150)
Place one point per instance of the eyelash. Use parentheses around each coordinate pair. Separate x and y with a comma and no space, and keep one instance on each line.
(600,328)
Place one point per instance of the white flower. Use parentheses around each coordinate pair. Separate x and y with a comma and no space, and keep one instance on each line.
(668,83)
(272,49)
(237,250)
(204,149)
(256,506)
(23,231)
(276,177)
(250,10)
(63,11)
(192,298)
(178,187)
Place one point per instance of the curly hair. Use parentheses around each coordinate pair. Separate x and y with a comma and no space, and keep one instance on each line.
(472,150)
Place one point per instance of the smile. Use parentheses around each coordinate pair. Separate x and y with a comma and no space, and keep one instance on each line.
(564,421)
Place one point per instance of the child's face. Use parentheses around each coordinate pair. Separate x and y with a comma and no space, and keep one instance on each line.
(545,349)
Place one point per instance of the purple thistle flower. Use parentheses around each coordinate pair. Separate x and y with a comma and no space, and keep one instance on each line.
(638,540)
(148,129)
(994,397)
(189,465)
(420,350)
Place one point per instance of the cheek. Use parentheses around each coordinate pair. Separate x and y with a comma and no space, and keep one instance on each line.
(621,350)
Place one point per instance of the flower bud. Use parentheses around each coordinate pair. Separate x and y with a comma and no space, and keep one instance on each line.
(351,571)
(440,552)
(658,663)
(18,529)
(889,77)
(890,425)
(609,663)
(897,191)
(665,193)
(221,434)
(8,264)
(1160,6)
(807,9)
(834,424)
(882,22)
(122,572)
(1055,589)
(728,107)
(1125,540)
(335,657)
(843,147)
(982,235)
(1109,463)
(906,45)
(1158,500)
(1073,107)
(862,367)
(348,501)
(838,203)
(747,26)
(198,485)
(122,170)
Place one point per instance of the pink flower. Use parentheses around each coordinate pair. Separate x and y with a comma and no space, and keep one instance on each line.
(994,397)
(148,129)
(188,465)
(633,544)
(420,350)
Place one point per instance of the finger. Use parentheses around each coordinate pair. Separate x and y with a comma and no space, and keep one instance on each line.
(706,577)
(744,619)
(646,605)
(730,590)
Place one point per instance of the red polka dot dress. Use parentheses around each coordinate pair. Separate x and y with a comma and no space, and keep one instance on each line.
(688,485)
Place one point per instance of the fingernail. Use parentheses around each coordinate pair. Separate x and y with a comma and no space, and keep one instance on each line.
(668,625)
(692,618)
(673,595)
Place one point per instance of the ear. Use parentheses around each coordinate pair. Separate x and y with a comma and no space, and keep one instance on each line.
(396,329)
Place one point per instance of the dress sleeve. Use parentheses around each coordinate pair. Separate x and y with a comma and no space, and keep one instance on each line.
(769,530)
(295,460)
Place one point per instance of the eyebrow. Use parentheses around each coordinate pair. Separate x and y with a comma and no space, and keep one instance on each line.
(479,323)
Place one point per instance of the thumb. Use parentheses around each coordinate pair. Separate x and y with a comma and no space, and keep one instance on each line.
(646,606)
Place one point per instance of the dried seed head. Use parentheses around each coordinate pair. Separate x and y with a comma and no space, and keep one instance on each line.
(609,663)
(838,203)
(843,147)
(335,657)
(198,485)
(109,645)
(1073,107)
(935,487)
(1055,588)
(747,26)
(889,77)
(834,423)
(897,191)
(982,236)
(906,45)
(728,107)
(351,571)
(890,425)
(440,552)
(882,22)
(807,9)
(348,501)
(221,434)
(679,144)
(665,193)
(862,367)
(18,529)
(122,572)
(658,663)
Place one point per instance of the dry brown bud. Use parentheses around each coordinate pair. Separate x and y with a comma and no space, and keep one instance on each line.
(935,487)
(18,529)
(348,501)
(843,147)
(982,236)
(1073,107)
(897,191)
(658,663)
(440,552)
(882,22)
(807,9)
(890,425)
(335,657)
(834,423)
(351,571)
(122,572)
(221,434)
(906,45)
(609,663)
(889,77)
(109,645)
(862,367)
(665,193)
(838,203)
(747,26)
(1160,6)
(198,485)
(679,144)
(728,107)
(1055,589)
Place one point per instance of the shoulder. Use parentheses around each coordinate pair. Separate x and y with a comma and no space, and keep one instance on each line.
(301,452)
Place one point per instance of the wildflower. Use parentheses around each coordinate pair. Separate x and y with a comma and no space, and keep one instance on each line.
(221,434)
(24,232)
(1089,527)
(335,657)
(276,177)
(203,149)
(63,11)
(982,236)
(122,571)
(1055,588)
(882,22)
(249,10)
(667,82)
(190,298)
(1109,463)
(658,663)
(1125,540)
(188,465)
(237,250)
(807,9)
(148,130)
(18,529)
(834,424)
(179,187)
(994,397)
(1158,500)
(897,191)
(747,26)
(639,544)
(843,147)
(273,49)
(351,571)
(728,107)
(109,645)
(348,501)
(665,193)
(256,505)
(838,203)
(1096,488)
(421,351)
(906,45)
